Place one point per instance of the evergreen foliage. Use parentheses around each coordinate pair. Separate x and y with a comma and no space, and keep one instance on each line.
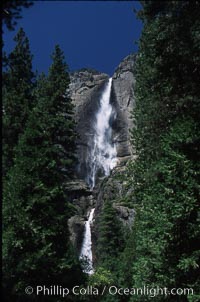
(36,246)
(17,90)
(109,236)
(11,11)
(166,138)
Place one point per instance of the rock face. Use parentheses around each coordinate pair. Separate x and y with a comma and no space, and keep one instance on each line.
(125,214)
(124,101)
(112,189)
(85,90)
(82,199)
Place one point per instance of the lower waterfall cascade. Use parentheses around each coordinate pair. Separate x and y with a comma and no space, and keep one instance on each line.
(102,158)
(86,250)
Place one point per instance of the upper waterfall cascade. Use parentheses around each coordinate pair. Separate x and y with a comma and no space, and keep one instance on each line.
(103,155)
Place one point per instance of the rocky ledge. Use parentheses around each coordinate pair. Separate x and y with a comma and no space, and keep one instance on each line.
(82,199)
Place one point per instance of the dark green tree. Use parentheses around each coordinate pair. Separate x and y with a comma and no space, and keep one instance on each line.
(110,236)
(36,245)
(17,90)
(166,141)
(11,11)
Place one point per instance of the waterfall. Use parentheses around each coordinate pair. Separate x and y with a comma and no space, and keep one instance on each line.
(86,250)
(103,155)
(102,158)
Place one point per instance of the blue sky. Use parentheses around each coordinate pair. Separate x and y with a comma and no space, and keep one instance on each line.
(94,34)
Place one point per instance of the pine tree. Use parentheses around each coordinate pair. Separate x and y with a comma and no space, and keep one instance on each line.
(18,83)
(11,11)
(36,244)
(166,140)
(110,236)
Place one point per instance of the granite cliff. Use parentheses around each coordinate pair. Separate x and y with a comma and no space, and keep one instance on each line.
(123,98)
(85,89)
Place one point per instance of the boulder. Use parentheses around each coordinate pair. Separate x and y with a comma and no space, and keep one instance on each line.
(125,214)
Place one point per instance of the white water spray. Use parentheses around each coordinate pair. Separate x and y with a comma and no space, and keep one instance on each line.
(103,157)
(86,250)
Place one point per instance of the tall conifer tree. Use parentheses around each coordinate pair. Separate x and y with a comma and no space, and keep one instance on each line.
(37,249)
(166,139)
(18,82)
